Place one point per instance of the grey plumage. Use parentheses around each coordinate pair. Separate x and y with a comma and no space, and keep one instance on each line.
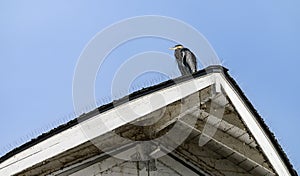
(186,60)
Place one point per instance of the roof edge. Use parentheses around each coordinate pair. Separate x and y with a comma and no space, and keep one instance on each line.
(149,90)
(106,107)
(262,123)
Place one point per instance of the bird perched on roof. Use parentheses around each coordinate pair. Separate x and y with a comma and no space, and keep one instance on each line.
(186,60)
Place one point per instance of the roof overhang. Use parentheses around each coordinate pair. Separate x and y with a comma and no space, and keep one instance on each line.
(103,123)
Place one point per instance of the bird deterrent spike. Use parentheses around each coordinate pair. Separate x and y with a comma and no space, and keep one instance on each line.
(54,123)
(103,100)
(162,77)
(133,88)
(59,121)
(151,81)
(69,116)
(63,119)
(3,150)
(86,109)
(41,130)
(21,140)
(30,134)
(99,102)
(109,98)
(27,136)
(119,94)
(122,92)
(14,144)
(17,142)
(148,82)
(47,126)
(115,97)
(35,132)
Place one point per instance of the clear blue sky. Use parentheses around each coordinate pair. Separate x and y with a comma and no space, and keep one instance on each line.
(40,42)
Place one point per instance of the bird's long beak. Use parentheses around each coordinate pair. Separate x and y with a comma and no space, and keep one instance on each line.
(173,48)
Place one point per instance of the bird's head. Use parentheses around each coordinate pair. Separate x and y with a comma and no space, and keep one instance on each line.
(176,47)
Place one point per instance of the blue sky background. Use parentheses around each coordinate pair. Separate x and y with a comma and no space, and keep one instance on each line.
(41,41)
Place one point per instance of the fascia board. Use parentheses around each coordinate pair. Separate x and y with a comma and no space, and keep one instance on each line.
(254,126)
(75,136)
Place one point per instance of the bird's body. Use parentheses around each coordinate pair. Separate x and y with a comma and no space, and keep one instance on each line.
(186,60)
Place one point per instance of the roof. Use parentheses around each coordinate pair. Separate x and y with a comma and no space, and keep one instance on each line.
(263,124)
(149,90)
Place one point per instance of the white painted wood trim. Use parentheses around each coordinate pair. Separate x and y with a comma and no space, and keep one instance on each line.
(254,127)
(74,136)
(110,120)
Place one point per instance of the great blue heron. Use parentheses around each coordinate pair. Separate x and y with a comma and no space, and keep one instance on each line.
(186,60)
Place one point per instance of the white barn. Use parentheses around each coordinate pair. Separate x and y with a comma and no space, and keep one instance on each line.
(200,125)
